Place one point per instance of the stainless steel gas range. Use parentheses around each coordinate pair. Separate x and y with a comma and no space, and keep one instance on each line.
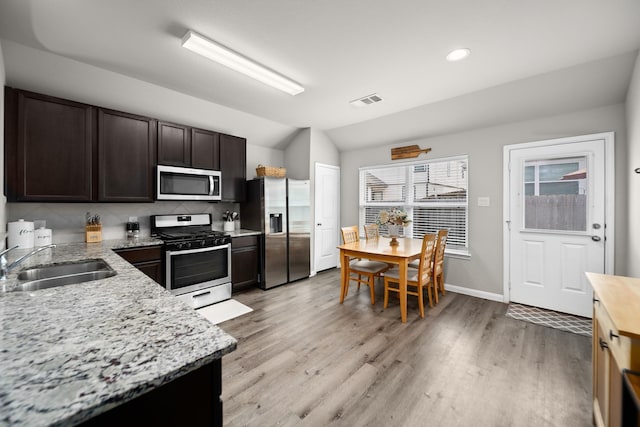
(197,260)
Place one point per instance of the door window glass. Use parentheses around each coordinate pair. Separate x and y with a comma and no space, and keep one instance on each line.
(555,194)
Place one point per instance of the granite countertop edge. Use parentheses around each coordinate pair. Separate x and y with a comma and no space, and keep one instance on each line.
(72,352)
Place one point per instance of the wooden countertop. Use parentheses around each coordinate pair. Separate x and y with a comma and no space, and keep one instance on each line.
(620,297)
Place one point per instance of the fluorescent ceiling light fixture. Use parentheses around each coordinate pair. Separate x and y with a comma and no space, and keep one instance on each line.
(225,56)
(458,54)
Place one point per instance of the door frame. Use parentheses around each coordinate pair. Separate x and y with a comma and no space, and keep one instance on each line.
(315,212)
(609,189)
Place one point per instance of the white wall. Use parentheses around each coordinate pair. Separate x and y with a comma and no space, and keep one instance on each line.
(3,199)
(483,271)
(633,162)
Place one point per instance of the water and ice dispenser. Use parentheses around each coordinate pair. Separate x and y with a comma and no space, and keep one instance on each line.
(275,223)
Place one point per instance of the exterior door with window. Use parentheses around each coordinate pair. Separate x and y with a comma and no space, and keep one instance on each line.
(557,224)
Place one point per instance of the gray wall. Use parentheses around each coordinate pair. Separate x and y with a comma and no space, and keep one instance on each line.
(257,155)
(3,199)
(633,162)
(483,271)
(296,155)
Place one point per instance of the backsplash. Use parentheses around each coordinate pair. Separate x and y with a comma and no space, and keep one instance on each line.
(67,220)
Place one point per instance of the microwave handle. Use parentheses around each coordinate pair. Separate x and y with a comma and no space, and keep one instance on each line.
(211,185)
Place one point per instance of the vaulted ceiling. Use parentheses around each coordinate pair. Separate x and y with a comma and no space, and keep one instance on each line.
(528,58)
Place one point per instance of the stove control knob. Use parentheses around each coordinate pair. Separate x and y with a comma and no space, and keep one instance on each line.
(203,243)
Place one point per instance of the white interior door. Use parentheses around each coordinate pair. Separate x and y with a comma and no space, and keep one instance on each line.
(327,213)
(556,223)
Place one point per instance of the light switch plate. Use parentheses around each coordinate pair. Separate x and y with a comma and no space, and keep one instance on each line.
(484,201)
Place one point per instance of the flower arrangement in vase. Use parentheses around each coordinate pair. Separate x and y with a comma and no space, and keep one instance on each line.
(393,220)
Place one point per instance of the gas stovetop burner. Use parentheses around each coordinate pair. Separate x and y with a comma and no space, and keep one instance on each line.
(182,232)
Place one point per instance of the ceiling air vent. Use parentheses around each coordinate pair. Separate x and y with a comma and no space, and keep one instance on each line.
(366,100)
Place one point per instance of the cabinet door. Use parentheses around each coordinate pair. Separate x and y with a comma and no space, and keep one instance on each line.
(126,146)
(49,148)
(205,149)
(152,269)
(233,165)
(600,373)
(244,267)
(245,261)
(174,145)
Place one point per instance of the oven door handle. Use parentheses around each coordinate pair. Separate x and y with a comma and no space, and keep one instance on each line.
(195,251)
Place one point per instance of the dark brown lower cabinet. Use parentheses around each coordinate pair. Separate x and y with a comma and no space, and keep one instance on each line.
(245,261)
(191,400)
(146,259)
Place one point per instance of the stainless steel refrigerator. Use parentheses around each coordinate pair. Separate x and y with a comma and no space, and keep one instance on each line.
(280,208)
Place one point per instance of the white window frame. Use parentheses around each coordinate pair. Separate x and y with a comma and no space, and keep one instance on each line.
(408,204)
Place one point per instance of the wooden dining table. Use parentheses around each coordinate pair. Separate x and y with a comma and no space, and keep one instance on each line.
(380,250)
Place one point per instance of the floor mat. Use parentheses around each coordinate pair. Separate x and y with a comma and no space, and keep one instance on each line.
(553,319)
(223,311)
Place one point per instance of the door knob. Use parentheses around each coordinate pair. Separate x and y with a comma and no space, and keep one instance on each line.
(595,238)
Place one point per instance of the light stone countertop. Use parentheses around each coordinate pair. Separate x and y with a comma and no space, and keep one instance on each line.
(242,232)
(72,352)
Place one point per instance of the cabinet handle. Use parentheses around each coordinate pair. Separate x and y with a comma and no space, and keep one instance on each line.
(612,335)
(596,300)
(603,344)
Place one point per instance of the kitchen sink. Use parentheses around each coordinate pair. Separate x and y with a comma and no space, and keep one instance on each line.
(60,274)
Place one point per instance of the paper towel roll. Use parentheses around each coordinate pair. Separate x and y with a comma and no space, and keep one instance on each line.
(42,237)
(20,233)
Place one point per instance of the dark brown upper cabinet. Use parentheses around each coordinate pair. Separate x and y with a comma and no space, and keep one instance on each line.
(184,146)
(58,150)
(233,164)
(205,149)
(174,144)
(127,150)
(49,148)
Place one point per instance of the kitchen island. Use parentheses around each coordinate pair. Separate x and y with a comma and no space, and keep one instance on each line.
(78,353)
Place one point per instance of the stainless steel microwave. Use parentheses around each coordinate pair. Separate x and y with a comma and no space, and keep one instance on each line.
(178,183)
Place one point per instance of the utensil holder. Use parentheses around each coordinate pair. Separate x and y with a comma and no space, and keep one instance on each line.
(93,233)
(229,226)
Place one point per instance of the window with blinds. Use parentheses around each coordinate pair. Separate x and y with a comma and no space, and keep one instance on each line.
(433,193)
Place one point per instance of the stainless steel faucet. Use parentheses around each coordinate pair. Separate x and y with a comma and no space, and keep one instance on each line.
(5,267)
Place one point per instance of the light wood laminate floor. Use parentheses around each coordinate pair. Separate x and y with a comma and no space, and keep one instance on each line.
(304,359)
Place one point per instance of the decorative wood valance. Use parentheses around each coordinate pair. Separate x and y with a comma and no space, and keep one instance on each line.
(408,152)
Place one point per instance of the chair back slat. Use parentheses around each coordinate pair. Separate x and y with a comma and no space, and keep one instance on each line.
(426,258)
(350,234)
(440,247)
(371,231)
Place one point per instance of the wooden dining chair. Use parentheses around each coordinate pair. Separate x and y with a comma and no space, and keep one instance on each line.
(361,270)
(419,278)
(438,262)
(371,231)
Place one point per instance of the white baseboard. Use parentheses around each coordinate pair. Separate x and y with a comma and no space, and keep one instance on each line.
(474,293)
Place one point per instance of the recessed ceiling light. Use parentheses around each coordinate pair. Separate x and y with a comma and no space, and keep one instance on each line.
(458,54)
(227,57)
